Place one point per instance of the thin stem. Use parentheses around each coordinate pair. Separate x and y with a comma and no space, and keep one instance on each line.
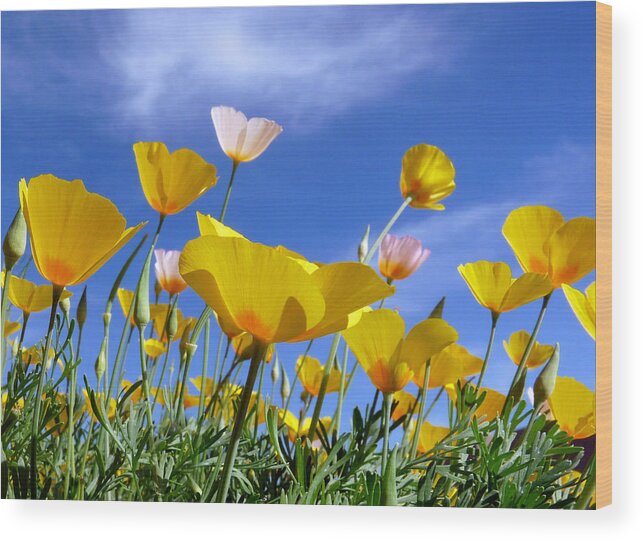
(527,352)
(204,367)
(294,383)
(492,335)
(324,384)
(387,228)
(224,208)
(25,320)
(144,377)
(590,486)
(342,390)
(386,421)
(3,316)
(35,426)
(70,418)
(258,397)
(239,421)
(418,424)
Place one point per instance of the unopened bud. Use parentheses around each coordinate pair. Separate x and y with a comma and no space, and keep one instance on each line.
(518,389)
(362,249)
(101,360)
(285,386)
(157,289)
(438,310)
(65,305)
(81,309)
(142,303)
(546,380)
(274,373)
(185,337)
(172,323)
(15,241)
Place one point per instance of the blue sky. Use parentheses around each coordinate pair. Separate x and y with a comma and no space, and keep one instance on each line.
(506,90)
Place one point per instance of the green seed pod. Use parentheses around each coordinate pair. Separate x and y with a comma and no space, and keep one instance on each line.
(436,313)
(172,323)
(274,373)
(519,388)
(285,386)
(15,241)
(389,488)
(101,360)
(546,380)
(362,249)
(142,303)
(81,309)
(157,289)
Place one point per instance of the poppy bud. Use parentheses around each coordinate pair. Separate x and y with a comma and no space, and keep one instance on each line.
(81,309)
(15,241)
(172,323)
(101,360)
(157,290)
(142,302)
(438,310)
(362,249)
(274,373)
(546,380)
(285,386)
(65,305)
(518,389)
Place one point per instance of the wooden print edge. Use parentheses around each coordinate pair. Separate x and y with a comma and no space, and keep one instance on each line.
(603,255)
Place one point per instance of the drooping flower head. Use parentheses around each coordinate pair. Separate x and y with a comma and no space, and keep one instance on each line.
(584,306)
(172,181)
(167,271)
(517,344)
(29,297)
(543,242)
(388,357)
(241,139)
(401,256)
(72,232)
(427,177)
(495,289)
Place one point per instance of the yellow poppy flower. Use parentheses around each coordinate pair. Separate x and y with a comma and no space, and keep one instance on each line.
(173,181)
(296,430)
(452,364)
(311,372)
(388,358)
(111,410)
(494,288)
(18,405)
(245,345)
(584,306)
(29,297)
(491,406)
(430,435)
(72,232)
(573,405)
(154,348)
(33,355)
(427,177)
(125,299)
(138,393)
(517,344)
(61,417)
(543,242)
(10,327)
(404,403)
(256,289)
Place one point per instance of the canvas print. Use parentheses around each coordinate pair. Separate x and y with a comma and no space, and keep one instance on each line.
(301,255)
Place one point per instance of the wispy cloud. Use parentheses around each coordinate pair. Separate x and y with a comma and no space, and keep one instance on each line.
(301,65)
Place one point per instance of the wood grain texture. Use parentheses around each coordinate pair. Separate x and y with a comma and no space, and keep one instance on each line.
(603,255)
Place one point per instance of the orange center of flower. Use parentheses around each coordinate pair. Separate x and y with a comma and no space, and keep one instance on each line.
(536,264)
(58,272)
(250,322)
(565,275)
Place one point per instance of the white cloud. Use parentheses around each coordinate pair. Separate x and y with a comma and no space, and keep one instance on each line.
(301,65)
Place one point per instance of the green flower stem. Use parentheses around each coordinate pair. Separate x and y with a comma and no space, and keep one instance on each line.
(337,423)
(386,421)
(3,316)
(25,320)
(590,486)
(204,367)
(527,352)
(161,377)
(239,421)
(432,405)
(81,487)
(322,388)
(215,372)
(387,228)
(418,425)
(256,406)
(146,385)
(224,208)
(294,383)
(492,334)
(35,425)
(69,472)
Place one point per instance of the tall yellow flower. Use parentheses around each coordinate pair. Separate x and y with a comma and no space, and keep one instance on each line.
(517,344)
(430,435)
(300,430)
(491,406)
(543,242)
(452,364)
(154,348)
(72,232)
(311,372)
(388,358)
(257,289)
(172,181)
(583,305)
(494,288)
(573,405)
(428,177)
(29,297)
(404,403)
